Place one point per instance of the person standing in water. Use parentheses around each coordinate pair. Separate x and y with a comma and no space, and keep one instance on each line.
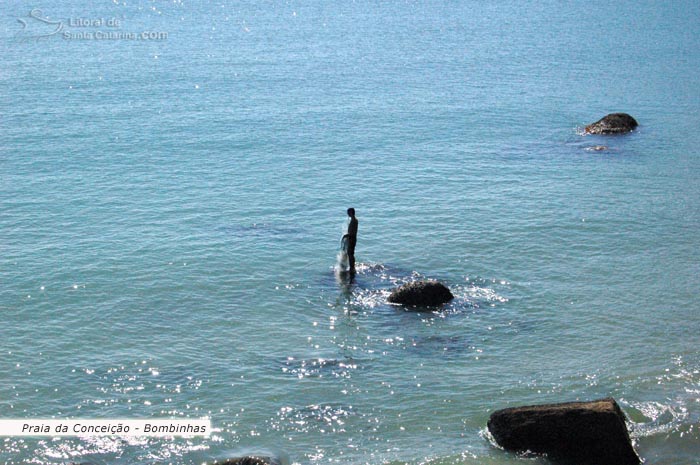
(351,236)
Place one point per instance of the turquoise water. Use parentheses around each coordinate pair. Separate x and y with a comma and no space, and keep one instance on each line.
(171,211)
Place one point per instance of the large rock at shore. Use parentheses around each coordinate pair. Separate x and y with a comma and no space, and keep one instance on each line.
(590,433)
(614,123)
(249,460)
(421,293)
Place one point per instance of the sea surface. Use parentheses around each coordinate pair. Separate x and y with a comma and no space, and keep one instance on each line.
(171,206)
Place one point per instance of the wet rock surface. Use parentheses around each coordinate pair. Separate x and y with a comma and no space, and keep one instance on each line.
(249,460)
(586,433)
(614,123)
(421,293)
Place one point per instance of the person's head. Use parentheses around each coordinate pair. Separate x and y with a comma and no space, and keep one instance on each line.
(351,212)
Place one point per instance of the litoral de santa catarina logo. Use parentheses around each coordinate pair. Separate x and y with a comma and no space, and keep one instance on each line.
(37,25)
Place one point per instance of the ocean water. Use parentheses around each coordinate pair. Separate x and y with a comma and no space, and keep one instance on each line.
(171,207)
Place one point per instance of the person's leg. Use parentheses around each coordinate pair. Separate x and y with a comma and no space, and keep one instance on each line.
(351,252)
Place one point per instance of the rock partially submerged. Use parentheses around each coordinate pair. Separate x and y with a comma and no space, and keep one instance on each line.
(249,460)
(597,148)
(421,293)
(591,433)
(614,123)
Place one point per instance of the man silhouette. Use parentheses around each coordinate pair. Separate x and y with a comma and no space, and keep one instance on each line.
(351,236)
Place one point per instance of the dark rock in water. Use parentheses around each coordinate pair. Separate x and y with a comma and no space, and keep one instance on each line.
(421,293)
(249,460)
(590,433)
(614,123)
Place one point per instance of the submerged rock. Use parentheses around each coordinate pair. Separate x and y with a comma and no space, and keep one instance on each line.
(597,148)
(614,123)
(421,293)
(249,460)
(590,433)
